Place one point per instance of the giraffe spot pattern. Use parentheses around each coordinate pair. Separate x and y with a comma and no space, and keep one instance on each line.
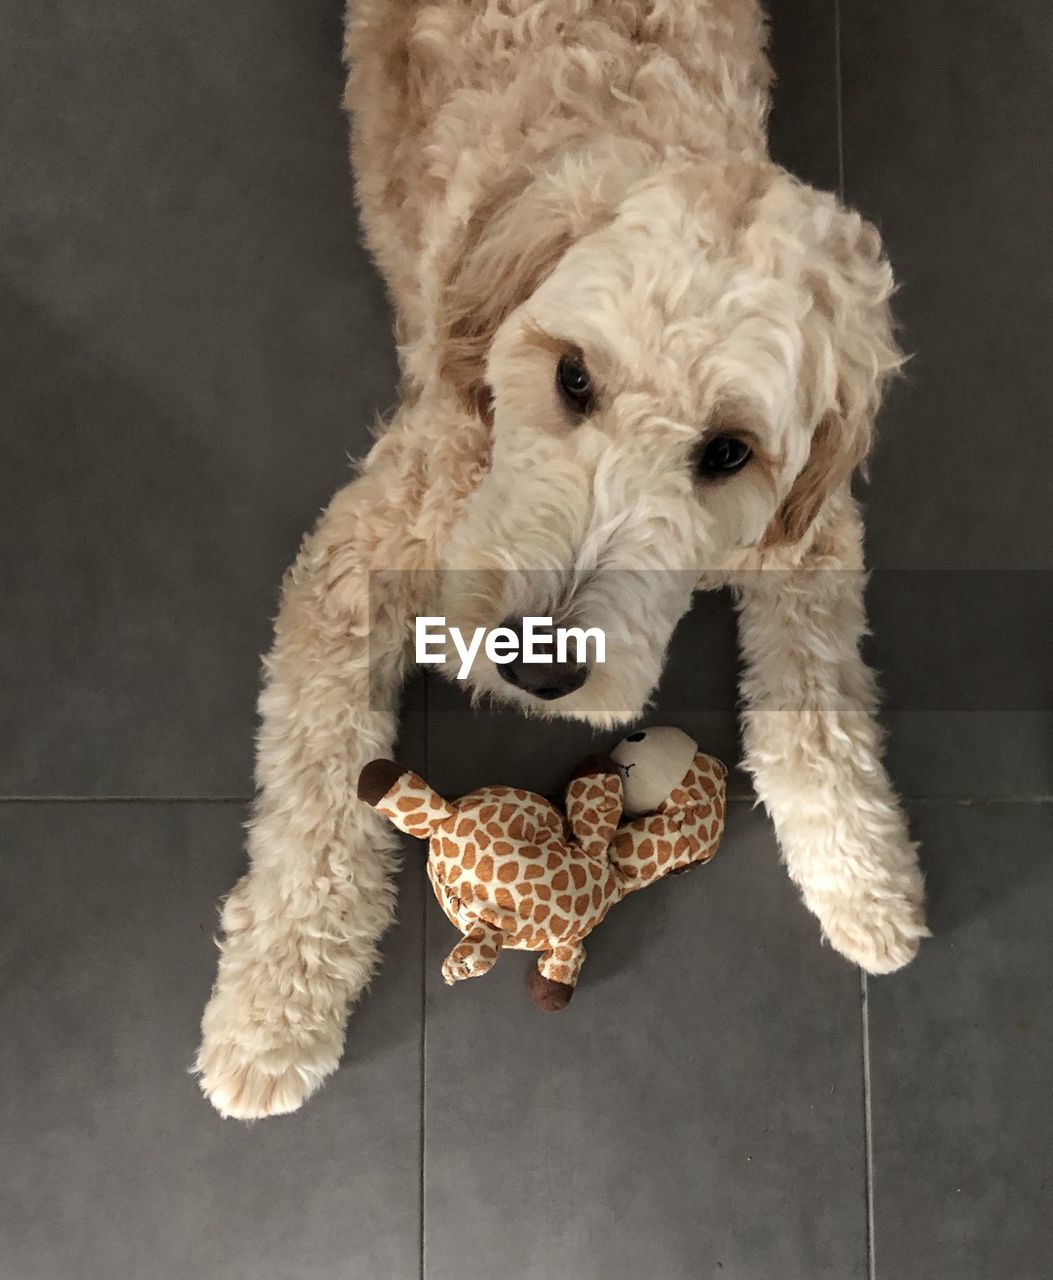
(509,858)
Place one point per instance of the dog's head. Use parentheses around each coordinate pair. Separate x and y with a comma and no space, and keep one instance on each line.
(677,367)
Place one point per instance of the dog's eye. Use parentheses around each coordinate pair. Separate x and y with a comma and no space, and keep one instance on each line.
(574,383)
(723,456)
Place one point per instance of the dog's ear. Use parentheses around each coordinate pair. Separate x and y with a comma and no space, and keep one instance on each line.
(830,464)
(516,234)
(849,353)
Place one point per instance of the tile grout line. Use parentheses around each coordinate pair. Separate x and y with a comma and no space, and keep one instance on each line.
(423,1148)
(864,992)
(839,115)
(72,799)
(868,1128)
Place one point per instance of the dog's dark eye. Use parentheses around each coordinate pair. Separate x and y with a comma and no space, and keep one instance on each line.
(723,456)
(575,385)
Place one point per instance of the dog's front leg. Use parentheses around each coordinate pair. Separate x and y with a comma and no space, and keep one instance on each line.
(814,750)
(301,928)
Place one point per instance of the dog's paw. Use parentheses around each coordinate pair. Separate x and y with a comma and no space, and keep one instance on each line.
(243,1088)
(248,1075)
(879,933)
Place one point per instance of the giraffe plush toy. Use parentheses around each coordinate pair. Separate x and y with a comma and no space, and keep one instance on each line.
(511,871)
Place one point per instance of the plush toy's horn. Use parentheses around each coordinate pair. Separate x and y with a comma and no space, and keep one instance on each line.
(377,779)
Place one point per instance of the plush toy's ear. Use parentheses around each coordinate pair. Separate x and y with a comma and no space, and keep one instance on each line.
(849,345)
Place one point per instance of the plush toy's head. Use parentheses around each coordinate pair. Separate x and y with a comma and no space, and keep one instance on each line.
(653,763)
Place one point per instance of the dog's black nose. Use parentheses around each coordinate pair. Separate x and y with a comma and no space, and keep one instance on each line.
(545,680)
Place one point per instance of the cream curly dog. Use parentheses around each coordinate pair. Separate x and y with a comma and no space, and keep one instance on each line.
(638,359)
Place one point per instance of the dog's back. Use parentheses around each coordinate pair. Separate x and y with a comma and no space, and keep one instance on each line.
(449,97)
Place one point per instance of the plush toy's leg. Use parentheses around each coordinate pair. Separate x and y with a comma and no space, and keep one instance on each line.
(390,788)
(552,980)
(474,955)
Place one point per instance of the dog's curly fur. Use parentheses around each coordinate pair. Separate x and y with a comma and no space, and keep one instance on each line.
(539,177)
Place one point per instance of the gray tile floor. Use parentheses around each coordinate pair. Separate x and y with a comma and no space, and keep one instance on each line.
(193,342)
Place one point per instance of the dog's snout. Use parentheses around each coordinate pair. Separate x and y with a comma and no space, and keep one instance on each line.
(546,680)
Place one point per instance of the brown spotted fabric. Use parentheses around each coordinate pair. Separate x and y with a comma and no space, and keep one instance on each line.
(510,871)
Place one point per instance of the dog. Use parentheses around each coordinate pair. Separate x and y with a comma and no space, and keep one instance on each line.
(638,359)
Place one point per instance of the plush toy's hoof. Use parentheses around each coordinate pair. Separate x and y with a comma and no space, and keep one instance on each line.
(377,779)
(548,995)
